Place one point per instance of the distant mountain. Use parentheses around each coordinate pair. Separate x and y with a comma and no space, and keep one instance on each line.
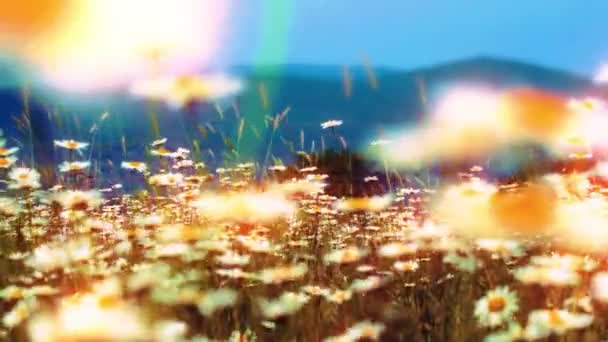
(314,94)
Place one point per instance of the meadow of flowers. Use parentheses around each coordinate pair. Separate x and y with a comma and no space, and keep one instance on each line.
(196,254)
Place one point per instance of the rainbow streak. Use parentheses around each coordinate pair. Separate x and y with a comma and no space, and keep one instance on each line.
(276,21)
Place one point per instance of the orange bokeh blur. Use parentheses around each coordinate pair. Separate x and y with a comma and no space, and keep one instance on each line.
(527,209)
(537,113)
(83,45)
(28,19)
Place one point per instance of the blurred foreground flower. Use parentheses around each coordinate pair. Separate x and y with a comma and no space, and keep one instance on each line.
(87,317)
(182,90)
(599,286)
(375,203)
(244,206)
(7,162)
(481,210)
(542,323)
(79,200)
(364,330)
(286,304)
(475,122)
(345,256)
(215,300)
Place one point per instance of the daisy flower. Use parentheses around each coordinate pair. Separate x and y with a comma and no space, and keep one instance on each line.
(9,207)
(308,169)
(406,266)
(496,307)
(581,302)
(24,178)
(158,142)
(566,261)
(163,152)
(178,91)
(46,258)
(71,144)
(339,296)
(368,284)
(182,152)
(464,262)
(170,331)
(246,166)
(169,250)
(166,179)
(542,323)
(599,286)
(88,317)
(331,124)
(281,274)
(7,162)
(345,256)
(238,336)
(473,216)
(79,200)
(234,273)
(277,168)
(182,164)
(513,333)
(365,330)
(501,248)
(287,304)
(548,276)
(397,249)
(134,165)
(244,206)
(233,259)
(216,300)
(148,221)
(5,152)
(365,268)
(20,312)
(73,166)
(316,177)
(315,290)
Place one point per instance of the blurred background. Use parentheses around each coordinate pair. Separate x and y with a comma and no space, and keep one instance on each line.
(211,74)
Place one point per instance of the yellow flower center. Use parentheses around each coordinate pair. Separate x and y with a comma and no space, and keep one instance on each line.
(71,144)
(555,319)
(22,176)
(368,332)
(4,162)
(162,150)
(496,304)
(349,255)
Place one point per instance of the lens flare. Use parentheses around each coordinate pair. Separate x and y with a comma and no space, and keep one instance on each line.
(104,43)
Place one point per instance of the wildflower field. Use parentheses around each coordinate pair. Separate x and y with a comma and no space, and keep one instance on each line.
(193,254)
(303,171)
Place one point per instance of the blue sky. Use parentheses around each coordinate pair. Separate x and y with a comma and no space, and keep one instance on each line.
(566,34)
